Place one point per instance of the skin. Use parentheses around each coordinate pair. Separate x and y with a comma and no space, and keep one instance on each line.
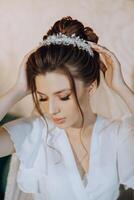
(114,77)
(54,106)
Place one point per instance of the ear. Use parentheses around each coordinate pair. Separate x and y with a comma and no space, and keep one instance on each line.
(92,88)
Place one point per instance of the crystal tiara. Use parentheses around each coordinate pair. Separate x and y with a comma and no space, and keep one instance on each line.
(61,38)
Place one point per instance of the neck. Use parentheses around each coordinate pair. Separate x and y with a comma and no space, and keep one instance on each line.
(89,122)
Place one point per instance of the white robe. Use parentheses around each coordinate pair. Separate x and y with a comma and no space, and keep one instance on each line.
(111,159)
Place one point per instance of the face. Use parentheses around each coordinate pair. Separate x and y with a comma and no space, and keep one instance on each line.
(57,100)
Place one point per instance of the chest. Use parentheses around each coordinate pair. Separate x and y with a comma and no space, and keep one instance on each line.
(81,156)
(80,150)
(79,161)
(56,176)
(65,179)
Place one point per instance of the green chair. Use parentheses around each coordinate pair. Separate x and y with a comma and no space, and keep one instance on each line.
(5,161)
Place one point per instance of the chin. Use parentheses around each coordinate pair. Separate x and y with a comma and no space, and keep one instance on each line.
(63,126)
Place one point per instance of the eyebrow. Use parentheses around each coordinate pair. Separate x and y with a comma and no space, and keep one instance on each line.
(55,92)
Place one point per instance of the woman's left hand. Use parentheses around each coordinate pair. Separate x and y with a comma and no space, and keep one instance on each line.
(111,68)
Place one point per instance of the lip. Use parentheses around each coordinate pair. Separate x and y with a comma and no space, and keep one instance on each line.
(59,120)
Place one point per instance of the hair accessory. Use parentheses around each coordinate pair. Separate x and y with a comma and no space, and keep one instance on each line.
(61,38)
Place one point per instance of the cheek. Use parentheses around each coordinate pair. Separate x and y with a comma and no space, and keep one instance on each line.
(70,109)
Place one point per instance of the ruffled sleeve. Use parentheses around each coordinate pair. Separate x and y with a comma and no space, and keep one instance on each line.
(29,138)
(25,134)
(126,152)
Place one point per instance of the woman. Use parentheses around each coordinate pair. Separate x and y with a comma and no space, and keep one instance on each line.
(68,151)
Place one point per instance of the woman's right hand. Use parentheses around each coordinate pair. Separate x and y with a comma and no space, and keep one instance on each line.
(21,83)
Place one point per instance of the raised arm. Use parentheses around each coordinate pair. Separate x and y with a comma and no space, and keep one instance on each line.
(114,77)
(127,95)
(7,100)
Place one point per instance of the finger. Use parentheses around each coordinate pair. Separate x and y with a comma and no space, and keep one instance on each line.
(30,52)
(102,49)
(106,54)
(103,67)
(26,56)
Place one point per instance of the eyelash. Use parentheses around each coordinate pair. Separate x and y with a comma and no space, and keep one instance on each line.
(63,99)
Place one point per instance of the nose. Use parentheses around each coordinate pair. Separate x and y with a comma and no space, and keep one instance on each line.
(53,108)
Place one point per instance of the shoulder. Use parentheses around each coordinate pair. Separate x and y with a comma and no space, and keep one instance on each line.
(31,122)
(22,123)
(108,126)
(125,122)
(126,127)
(112,132)
(122,128)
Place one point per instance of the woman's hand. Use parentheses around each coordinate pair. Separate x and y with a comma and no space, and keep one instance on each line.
(111,67)
(21,83)
(113,75)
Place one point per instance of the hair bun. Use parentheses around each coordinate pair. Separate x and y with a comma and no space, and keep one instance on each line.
(90,35)
(69,26)
(67,18)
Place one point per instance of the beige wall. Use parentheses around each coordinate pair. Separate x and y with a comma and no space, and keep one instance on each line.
(23,23)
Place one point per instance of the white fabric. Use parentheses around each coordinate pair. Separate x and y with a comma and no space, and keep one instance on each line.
(12,190)
(111,159)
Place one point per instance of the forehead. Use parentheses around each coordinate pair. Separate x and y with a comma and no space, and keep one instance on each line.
(52,82)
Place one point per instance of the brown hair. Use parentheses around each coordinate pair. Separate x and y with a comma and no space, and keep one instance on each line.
(72,61)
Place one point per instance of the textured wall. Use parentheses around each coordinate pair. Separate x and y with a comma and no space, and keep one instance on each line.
(22,24)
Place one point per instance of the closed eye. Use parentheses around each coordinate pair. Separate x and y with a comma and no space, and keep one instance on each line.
(41,99)
(63,98)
